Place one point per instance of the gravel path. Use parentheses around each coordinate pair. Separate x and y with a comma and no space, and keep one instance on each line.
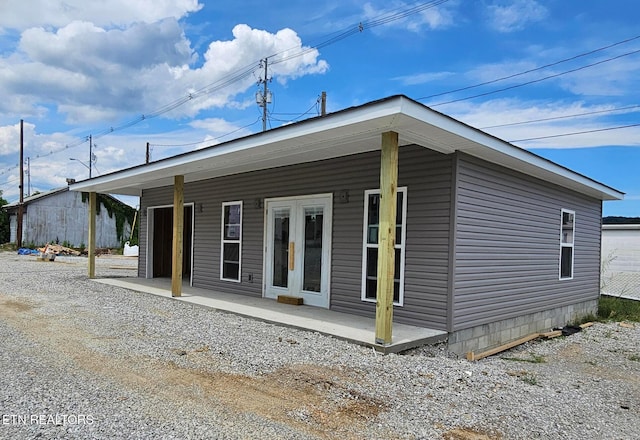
(79,359)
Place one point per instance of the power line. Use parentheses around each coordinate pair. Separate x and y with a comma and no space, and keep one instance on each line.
(591,52)
(207,140)
(576,133)
(250,69)
(538,80)
(300,115)
(554,118)
(382,19)
(177,145)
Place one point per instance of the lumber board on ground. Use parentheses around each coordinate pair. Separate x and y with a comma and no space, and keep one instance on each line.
(471,356)
(293,300)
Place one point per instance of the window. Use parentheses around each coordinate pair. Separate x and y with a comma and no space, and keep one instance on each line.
(370,245)
(231,243)
(567,232)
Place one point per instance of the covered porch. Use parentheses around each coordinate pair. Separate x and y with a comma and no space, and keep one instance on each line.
(355,329)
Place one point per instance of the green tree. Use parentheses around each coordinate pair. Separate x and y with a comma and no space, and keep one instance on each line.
(4,222)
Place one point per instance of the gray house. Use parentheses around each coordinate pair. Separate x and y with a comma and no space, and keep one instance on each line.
(387,202)
(61,216)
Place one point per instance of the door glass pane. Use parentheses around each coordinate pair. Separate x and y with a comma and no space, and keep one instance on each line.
(281,218)
(312,257)
(567,227)
(566,259)
(231,270)
(373,219)
(232,222)
(231,261)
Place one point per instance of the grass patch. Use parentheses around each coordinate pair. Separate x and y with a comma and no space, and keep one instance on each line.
(587,318)
(534,359)
(634,357)
(618,309)
(8,247)
(530,379)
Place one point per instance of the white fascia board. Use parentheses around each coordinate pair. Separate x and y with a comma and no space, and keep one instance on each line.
(484,146)
(314,133)
(322,137)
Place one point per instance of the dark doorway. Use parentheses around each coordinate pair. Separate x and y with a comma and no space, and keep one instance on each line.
(163,241)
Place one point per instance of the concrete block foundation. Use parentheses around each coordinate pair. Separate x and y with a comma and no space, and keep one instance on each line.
(487,336)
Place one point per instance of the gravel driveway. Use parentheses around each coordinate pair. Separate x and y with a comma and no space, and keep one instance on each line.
(80,359)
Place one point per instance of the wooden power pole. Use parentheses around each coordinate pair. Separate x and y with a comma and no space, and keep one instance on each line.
(21,203)
(323,104)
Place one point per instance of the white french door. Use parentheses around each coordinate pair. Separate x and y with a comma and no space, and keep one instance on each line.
(298,248)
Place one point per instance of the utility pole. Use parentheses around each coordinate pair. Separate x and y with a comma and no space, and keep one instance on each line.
(28,176)
(21,204)
(264,98)
(323,104)
(90,154)
(148,155)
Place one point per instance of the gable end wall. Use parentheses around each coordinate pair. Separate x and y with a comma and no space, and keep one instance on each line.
(507,245)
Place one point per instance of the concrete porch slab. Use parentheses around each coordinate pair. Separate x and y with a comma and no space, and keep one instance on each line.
(352,328)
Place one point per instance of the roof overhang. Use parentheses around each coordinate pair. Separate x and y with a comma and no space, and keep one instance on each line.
(350,131)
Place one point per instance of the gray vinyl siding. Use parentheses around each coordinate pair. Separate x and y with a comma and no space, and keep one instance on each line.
(427,175)
(507,245)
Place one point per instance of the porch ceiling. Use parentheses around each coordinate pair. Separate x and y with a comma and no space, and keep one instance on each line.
(343,133)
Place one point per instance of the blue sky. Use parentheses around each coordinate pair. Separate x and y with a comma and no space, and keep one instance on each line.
(187,71)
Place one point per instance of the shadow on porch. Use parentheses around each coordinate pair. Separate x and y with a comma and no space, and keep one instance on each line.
(352,328)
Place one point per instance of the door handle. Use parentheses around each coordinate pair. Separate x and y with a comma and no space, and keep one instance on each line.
(292,248)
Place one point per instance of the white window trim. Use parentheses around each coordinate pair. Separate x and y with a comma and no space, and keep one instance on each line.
(567,245)
(366,245)
(223,241)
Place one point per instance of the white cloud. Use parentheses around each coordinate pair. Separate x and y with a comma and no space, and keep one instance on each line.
(23,15)
(515,15)
(48,156)
(431,18)
(34,144)
(85,48)
(615,78)
(96,75)
(492,71)
(217,127)
(422,78)
(510,111)
(9,139)
(292,60)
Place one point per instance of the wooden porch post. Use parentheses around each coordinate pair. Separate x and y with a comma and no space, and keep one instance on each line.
(386,236)
(91,250)
(178,233)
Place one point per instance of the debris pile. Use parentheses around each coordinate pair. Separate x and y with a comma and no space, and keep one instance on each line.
(57,249)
